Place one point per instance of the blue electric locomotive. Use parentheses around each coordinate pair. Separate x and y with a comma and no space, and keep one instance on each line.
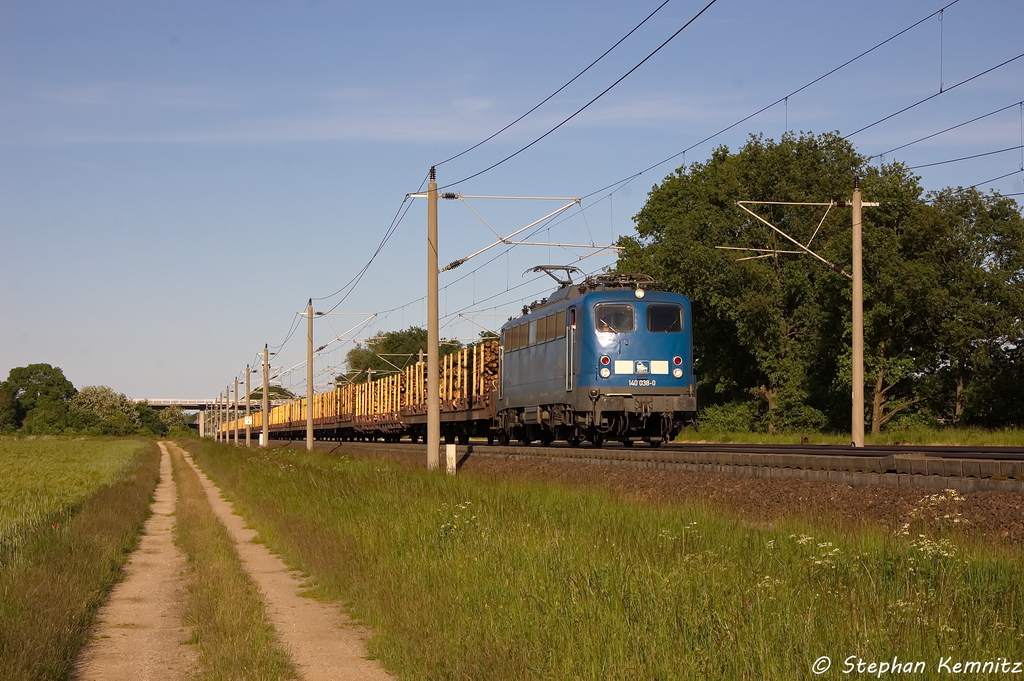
(610,358)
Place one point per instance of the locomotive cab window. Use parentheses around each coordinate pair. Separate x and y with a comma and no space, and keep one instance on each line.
(614,318)
(664,318)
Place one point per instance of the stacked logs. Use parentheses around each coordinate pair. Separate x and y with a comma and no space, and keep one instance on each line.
(468,380)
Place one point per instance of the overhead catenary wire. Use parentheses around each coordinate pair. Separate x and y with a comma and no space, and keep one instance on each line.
(400,214)
(746,118)
(404,209)
(954,127)
(553,94)
(933,96)
(966,158)
(585,106)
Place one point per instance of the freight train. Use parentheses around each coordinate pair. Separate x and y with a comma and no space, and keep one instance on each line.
(607,359)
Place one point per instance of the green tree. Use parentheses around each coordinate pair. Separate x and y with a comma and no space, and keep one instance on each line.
(175,417)
(763,327)
(900,301)
(152,422)
(30,384)
(389,352)
(109,406)
(977,248)
(47,417)
(8,411)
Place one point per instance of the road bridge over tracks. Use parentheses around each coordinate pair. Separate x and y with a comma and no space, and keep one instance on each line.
(200,405)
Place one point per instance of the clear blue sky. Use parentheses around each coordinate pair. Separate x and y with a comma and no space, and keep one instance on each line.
(178,177)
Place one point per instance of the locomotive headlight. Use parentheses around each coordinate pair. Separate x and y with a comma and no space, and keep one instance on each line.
(639,293)
(605,372)
(677,372)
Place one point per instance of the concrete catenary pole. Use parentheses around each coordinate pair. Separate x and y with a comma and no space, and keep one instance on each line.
(265,433)
(216,419)
(234,416)
(858,322)
(309,376)
(248,412)
(227,413)
(433,342)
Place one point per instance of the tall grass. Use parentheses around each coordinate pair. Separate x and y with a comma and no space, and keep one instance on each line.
(45,477)
(461,578)
(64,555)
(234,637)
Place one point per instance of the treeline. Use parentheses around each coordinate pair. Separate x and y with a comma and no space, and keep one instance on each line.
(943,290)
(39,400)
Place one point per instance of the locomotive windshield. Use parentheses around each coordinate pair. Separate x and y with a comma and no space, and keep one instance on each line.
(614,318)
(664,318)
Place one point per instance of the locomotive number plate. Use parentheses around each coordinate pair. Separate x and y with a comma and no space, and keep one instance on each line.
(642,383)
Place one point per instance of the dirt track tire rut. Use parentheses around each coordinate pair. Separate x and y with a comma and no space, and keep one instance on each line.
(139,633)
(321,640)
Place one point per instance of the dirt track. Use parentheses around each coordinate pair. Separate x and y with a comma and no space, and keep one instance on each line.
(140,636)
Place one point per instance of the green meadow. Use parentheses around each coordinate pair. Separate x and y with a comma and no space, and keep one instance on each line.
(70,512)
(465,578)
(45,477)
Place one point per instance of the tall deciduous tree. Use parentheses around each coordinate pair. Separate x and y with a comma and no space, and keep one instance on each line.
(900,299)
(943,285)
(109,406)
(30,384)
(978,250)
(760,326)
(175,417)
(8,411)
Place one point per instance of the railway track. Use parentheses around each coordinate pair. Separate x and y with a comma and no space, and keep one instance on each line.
(966,469)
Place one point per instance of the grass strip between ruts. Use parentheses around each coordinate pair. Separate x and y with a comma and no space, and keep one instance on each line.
(464,578)
(235,638)
(60,573)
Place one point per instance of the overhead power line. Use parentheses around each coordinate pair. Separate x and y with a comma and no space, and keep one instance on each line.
(940,132)
(582,108)
(965,158)
(776,102)
(567,84)
(930,97)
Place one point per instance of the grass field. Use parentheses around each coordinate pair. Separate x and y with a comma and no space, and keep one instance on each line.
(71,510)
(45,477)
(462,578)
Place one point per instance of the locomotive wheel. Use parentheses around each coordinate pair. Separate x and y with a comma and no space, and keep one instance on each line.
(546,439)
(463,438)
(656,442)
(627,442)
(490,439)
(573,442)
(503,438)
(597,441)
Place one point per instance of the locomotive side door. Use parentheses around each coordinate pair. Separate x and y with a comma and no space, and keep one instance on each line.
(570,349)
